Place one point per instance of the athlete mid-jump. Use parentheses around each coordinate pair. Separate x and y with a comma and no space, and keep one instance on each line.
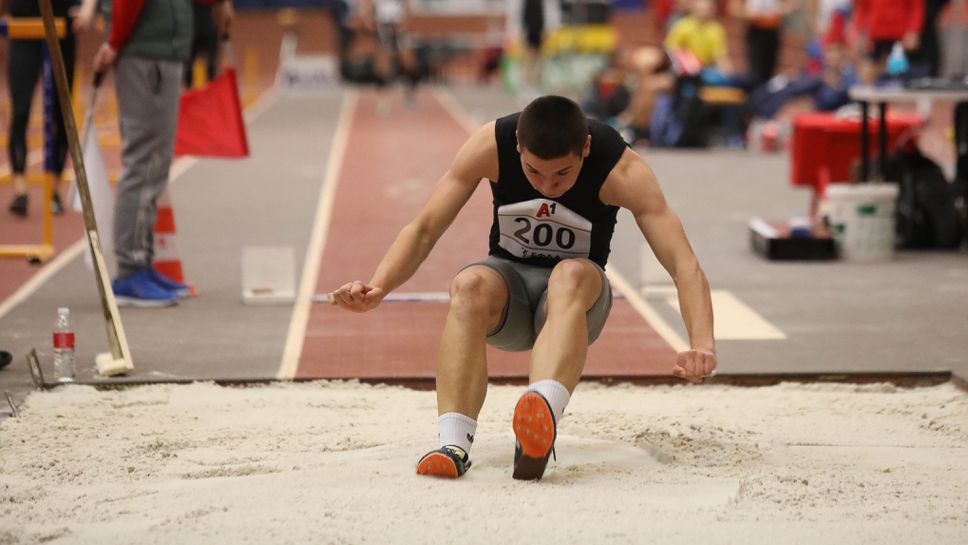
(558,180)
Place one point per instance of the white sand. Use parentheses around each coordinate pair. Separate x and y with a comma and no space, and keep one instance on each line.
(334,463)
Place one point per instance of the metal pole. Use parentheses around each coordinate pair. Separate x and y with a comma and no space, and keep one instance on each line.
(882,140)
(865,163)
(112,318)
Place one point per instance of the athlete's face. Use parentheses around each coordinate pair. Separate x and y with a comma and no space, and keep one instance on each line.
(553,177)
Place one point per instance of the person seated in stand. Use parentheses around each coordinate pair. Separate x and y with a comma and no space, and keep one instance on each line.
(703,36)
(624,93)
(609,94)
(827,90)
(697,45)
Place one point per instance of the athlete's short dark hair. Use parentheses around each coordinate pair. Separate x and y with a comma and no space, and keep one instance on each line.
(552,126)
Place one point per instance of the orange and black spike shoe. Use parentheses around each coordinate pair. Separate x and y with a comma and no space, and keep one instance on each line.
(535,431)
(449,461)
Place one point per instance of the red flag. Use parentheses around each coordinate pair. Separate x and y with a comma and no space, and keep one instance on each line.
(210,120)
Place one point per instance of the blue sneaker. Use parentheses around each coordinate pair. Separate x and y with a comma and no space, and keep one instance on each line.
(138,290)
(182,290)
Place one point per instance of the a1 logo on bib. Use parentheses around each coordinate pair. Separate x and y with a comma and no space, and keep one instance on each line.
(543,229)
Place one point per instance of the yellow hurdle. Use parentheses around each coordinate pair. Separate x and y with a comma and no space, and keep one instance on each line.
(37,253)
(29,28)
(199,74)
(32,28)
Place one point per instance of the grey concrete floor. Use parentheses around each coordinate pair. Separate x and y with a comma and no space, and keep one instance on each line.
(907,315)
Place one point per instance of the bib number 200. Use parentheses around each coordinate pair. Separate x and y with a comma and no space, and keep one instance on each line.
(543,234)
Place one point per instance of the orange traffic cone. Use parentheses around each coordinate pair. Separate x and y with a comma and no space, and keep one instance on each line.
(166,260)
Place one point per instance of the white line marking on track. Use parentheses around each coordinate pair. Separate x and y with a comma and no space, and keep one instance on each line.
(410,297)
(317,241)
(261,104)
(416,297)
(454,108)
(179,167)
(41,277)
(735,320)
(646,311)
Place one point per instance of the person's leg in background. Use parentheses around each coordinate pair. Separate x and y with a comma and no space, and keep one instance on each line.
(533,21)
(205,42)
(871,66)
(148,92)
(408,66)
(762,46)
(926,59)
(23,71)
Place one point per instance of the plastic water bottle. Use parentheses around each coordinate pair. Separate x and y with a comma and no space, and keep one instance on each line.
(897,62)
(63,346)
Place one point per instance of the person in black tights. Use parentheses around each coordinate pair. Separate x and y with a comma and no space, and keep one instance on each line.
(205,42)
(387,21)
(25,64)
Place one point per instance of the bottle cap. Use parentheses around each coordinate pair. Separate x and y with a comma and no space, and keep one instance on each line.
(63,310)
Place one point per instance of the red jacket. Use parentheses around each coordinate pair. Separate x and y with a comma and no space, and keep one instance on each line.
(888,19)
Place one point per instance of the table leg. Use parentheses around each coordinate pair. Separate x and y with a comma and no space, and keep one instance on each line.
(961,156)
(961,143)
(865,165)
(882,140)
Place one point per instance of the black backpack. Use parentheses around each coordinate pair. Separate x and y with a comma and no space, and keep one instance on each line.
(926,214)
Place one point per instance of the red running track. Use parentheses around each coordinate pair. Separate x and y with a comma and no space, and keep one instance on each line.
(389,170)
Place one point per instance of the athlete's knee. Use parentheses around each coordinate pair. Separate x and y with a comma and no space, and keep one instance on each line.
(571,274)
(573,282)
(475,292)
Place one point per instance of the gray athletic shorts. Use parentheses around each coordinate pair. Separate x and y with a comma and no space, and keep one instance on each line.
(524,314)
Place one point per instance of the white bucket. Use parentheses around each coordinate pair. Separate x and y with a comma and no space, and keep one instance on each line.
(862,219)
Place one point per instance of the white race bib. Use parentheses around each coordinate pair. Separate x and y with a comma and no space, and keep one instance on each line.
(543,229)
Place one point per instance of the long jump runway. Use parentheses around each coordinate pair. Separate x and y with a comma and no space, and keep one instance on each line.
(390,166)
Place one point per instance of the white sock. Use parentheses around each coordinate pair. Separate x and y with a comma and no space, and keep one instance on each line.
(456,429)
(556,394)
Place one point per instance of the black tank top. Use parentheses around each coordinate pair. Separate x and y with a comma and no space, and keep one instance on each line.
(531,228)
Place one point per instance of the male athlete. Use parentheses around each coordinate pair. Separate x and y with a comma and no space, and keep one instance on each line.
(558,181)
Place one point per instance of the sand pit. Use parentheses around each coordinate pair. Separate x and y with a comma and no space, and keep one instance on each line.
(334,463)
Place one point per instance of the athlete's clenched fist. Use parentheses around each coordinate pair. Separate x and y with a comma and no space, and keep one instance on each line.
(357,296)
(695,365)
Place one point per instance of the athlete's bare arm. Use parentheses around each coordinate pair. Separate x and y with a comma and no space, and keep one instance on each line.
(632,185)
(477,159)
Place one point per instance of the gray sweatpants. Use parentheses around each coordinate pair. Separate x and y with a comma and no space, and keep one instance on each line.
(148,91)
